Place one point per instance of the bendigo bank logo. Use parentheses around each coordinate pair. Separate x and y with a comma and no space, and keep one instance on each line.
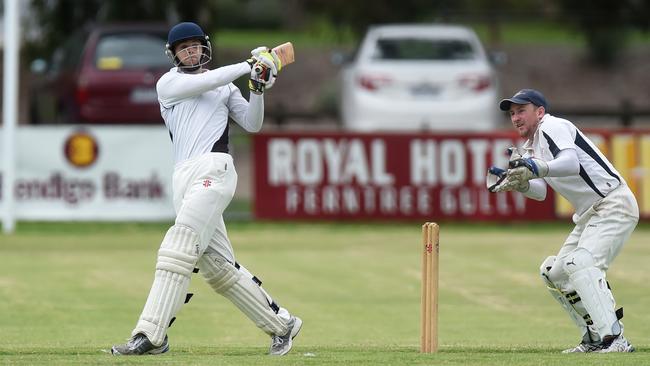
(81,149)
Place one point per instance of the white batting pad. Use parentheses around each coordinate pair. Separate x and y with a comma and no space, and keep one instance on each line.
(177,256)
(571,304)
(569,308)
(240,287)
(591,286)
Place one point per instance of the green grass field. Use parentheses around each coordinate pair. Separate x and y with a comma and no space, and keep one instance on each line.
(69,291)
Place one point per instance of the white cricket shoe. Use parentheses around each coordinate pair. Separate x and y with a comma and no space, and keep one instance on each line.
(281,345)
(618,344)
(584,348)
(139,344)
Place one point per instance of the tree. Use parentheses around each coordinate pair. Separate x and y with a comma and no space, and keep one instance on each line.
(605,24)
(59,19)
(360,14)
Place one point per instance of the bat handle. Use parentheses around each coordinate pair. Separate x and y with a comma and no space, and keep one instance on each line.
(258,69)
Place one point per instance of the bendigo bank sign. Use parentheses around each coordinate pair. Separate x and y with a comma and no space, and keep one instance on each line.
(95,173)
(388,176)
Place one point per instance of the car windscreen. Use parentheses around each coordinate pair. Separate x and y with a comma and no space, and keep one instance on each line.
(423,49)
(131,51)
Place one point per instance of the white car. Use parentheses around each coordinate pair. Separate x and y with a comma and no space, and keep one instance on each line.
(420,77)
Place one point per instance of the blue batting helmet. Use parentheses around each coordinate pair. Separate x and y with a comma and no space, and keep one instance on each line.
(185,31)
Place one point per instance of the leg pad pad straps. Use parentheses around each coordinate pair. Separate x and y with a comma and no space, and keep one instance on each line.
(590,284)
(570,302)
(594,294)
(238,286)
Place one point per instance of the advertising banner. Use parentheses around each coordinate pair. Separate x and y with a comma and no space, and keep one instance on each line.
(409,176)
(396,176)
(116,173)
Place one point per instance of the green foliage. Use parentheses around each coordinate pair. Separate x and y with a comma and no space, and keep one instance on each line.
(59,19)
(71,290)
(258,14)
(233,38)
(605,25)
(360,14)
(545,33)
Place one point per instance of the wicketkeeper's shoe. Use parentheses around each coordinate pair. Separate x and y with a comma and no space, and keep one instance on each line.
(584,348)
(139,344)
(281,345)
(616,344)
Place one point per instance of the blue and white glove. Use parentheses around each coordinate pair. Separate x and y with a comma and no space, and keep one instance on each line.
(526,169)
(495,179)
(498,180)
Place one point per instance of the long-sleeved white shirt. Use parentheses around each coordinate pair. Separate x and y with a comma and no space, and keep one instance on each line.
(583,184)
(196,107)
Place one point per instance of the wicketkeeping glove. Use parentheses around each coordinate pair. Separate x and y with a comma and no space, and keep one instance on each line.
(527,169)
(514,154)
(497,179)
(494,179)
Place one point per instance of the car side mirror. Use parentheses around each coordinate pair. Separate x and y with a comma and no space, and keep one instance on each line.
(38,66)
(498,58)
(340,58)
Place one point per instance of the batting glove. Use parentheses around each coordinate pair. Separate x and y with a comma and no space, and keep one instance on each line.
(264,70)
(265,52)
(526,169)
(261,79)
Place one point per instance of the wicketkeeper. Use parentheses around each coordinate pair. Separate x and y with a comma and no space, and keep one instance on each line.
(195,103)
(557,153)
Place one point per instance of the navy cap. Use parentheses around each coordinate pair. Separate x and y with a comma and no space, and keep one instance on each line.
(524,96)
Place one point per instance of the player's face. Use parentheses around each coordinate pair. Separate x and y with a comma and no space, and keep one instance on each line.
(525,118)
(189,52)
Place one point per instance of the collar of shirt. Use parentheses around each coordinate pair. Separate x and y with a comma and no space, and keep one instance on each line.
(528,145)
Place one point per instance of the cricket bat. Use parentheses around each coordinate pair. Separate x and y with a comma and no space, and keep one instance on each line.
(285,54)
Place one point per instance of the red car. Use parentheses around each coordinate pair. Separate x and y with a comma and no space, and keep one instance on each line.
(105,75)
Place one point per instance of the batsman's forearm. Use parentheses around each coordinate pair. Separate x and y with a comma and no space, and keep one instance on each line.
(255,114)
(171,90)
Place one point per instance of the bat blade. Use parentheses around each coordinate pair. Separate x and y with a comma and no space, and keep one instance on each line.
(285,53)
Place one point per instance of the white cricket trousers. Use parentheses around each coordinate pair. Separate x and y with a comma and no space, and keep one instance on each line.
(605,227)
(203,188)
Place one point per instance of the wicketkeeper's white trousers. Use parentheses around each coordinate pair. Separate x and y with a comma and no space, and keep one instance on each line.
(605,227)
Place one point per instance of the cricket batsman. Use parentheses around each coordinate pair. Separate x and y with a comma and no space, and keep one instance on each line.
(195,103)
(558,154)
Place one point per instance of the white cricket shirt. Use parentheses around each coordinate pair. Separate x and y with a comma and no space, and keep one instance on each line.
(196,108)
(597,176)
